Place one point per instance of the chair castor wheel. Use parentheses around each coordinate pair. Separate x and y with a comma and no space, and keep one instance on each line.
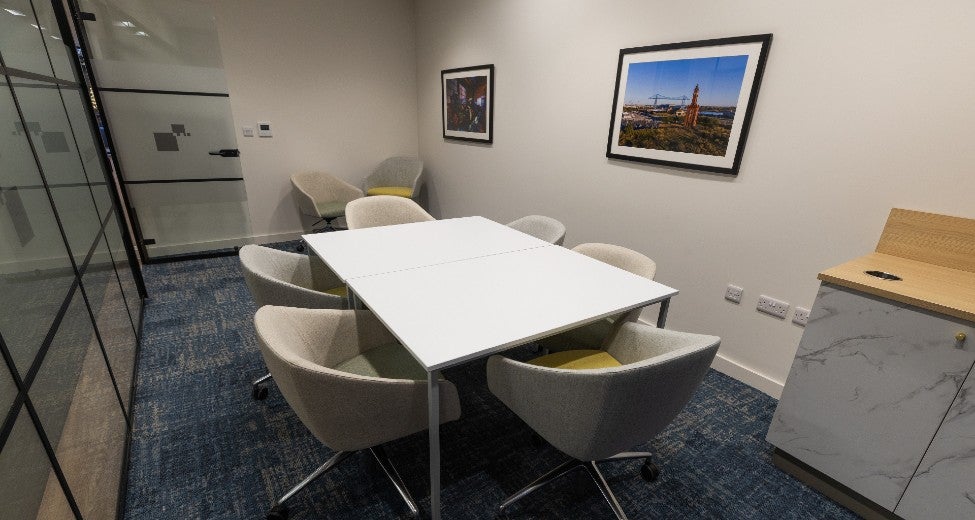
(650,471)
(259,393)
(278,512)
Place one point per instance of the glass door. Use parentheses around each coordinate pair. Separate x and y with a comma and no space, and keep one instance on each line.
(160,81)
(70,298)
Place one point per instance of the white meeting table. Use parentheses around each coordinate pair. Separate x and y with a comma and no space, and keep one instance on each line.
(383,249)
(459,309)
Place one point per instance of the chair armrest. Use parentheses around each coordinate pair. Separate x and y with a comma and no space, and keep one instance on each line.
(635,342)
(349,412)
(304,200)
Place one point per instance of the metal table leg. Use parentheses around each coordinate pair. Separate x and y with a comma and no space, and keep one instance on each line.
(662,317)
(433,401)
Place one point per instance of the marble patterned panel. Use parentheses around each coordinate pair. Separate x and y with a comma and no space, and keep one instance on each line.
(943,486)
(869,385)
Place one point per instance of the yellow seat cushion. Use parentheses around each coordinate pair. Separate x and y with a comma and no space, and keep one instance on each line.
(397,191)
(577,360)
(342,291)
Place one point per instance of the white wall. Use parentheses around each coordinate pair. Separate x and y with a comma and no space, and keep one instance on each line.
(337,81)
(864,106)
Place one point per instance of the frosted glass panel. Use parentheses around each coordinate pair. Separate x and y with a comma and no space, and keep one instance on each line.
(191,216)
(63,169)
(35,271)
(165,136)
(147,44)
(20,38)
(48,126)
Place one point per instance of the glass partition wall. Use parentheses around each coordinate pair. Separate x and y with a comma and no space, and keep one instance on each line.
(70,303)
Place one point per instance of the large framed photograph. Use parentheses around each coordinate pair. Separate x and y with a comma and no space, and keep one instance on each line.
(468,103)
(687,104)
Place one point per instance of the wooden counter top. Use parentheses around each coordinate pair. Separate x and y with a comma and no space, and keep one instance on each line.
(928,286)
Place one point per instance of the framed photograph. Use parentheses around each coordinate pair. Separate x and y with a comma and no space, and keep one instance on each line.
(468,103)
(687,104)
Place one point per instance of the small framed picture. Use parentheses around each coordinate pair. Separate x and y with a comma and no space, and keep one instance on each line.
(687,104)
(468,103)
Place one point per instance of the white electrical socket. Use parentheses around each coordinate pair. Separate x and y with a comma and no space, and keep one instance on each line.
(772,306)
(733,294)
(801,316)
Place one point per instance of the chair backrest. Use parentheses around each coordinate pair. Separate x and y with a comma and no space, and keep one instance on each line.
(383,210)
(281,278)
(541,227)
(406,172)
(317,187)
(595,414)
(621,257)
(345,411)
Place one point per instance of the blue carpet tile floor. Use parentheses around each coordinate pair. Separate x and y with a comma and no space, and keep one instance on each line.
(202,448)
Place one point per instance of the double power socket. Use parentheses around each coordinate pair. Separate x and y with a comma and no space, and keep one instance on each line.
(769,305)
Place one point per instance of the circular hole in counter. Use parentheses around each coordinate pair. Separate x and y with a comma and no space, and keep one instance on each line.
(884,276)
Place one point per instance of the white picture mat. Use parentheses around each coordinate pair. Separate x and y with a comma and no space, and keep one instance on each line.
(489,97)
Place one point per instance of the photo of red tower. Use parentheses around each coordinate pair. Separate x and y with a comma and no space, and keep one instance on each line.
(690,117)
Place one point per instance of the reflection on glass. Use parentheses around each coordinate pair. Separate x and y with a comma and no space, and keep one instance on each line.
(57,48)
(63,169)
(113,234)
(88,149)
(8,391)
(20,38)
(108,306)
(76,401)
(35,271)
(189,217)
(28,487)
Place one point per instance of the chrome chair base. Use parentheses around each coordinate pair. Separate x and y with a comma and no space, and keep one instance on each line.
(258,392)
(327,227)
(279,511)
(591,469)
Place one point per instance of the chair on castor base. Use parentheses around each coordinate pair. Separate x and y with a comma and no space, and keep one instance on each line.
(351,384)
(594,404)
(290,279)
(322,196)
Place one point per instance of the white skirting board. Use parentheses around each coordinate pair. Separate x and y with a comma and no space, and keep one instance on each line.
(742,373)
(748,376)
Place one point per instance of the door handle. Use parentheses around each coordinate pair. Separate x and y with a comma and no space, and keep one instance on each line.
(227,152)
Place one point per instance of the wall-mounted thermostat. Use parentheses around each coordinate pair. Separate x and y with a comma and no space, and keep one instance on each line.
(263,129)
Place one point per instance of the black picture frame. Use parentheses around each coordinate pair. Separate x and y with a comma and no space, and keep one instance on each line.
(468,116)
(709,134)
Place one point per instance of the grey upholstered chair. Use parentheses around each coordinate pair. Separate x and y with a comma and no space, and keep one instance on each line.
(349,382)
(616,256)
(397,176)
(594,404)
(290,279)
(384,210)
(541,227)
(322,196)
